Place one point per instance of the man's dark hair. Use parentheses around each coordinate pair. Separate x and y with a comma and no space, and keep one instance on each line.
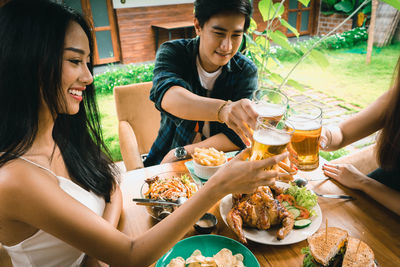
(32,35)
(205,9)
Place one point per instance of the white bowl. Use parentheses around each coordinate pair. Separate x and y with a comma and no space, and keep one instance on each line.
(205,172)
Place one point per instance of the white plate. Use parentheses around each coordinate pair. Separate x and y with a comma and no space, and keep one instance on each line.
(269,236)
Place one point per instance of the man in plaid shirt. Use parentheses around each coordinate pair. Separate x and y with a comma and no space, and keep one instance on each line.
(202,85)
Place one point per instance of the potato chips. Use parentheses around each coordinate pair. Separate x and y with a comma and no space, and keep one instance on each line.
(223,258)
(209,156)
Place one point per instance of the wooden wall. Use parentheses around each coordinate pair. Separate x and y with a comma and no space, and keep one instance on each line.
(136,35)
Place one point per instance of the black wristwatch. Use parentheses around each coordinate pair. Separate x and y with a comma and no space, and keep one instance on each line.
(180,153)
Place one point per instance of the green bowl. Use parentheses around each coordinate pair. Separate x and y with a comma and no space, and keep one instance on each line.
(209,245)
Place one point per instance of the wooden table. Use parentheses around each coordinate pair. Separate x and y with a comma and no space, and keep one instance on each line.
(170,26)
(363,218)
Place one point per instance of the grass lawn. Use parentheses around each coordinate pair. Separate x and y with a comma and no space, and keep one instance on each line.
(109,123)
(347,77)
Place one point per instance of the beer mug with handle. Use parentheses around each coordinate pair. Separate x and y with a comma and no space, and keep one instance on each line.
(270,104)
(270,140)
(304,146)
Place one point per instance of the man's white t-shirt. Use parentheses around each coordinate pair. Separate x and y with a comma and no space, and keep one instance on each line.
(207,80)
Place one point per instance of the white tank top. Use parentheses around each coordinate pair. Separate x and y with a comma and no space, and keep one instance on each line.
(45,250)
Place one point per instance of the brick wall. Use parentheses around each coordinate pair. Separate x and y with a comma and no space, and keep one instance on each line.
(327,23)
(136,36)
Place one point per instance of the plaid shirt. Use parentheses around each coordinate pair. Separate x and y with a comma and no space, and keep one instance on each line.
(176,66)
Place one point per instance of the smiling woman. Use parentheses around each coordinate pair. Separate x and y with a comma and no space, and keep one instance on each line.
(75,72)
(59,200)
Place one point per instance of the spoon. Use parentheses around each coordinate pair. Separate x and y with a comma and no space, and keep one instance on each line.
(152,202)
(301,182)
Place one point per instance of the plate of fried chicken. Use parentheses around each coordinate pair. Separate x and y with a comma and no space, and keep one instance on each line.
(261,218)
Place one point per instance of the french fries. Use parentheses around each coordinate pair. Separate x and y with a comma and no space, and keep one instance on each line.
(209,156)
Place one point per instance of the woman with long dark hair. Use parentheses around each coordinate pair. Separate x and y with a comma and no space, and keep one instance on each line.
(383,184)
(56,180)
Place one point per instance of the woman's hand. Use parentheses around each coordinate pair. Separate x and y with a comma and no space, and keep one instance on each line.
(346,174)
(241,117)
(325,138)
(241,176)
(331,138)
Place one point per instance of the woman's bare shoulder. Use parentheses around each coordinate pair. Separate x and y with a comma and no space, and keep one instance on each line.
(18,177)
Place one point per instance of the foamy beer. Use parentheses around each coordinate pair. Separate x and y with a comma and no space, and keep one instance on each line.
(270,140)
(304,146)
(270,104)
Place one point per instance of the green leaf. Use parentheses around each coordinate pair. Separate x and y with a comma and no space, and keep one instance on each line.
(327,13)
(275,77)
(367,9)
(280,39)
(329,2)
(280,125)
(303,49)
(280,11)
(319,58)
(346,6)
(296,85)
(266,9)
(287,25)
(262,42)
(253,25)
(304,2)
(249,40)
(393,3)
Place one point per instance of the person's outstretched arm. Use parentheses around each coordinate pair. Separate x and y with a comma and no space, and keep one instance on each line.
(38,201)
(358,126)
(112,214)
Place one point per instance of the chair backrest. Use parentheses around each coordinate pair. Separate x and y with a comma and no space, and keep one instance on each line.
(5,260)
(135,109)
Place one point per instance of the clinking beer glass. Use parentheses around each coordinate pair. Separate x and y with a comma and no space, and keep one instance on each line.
(304,146)
(270,140)
(270,104)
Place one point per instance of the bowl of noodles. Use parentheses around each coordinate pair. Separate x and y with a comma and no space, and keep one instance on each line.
(168,186)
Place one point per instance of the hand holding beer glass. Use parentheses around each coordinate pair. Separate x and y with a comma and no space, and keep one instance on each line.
(304,146)
(270,104)
(270,140)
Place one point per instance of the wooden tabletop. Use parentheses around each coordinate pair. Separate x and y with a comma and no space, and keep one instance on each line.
(363,218)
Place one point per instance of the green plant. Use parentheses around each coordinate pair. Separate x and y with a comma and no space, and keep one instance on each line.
(105,82)
(329,7)
(259,47)
(346,39)
(261,51)
(331,155)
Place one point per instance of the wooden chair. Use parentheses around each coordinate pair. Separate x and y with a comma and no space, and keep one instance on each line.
(5,260)
(139,122)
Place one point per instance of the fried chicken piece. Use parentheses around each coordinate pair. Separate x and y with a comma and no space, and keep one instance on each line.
(259,210)
(235,222)
(287,220)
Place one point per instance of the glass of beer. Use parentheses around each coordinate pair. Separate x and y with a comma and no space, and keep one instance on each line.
(270,104)
(304,146)
(270,140)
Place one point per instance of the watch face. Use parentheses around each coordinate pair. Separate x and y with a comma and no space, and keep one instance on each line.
(180,152)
